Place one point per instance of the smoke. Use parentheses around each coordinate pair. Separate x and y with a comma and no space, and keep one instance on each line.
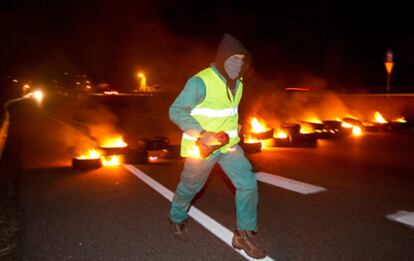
(269,102)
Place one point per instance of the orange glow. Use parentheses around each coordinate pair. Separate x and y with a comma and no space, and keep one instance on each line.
(313,119)
(114,142)
(111,161)
(108,92)
(388,66)
(379,118)
(250,139)
(91,154)
(346,125)
(356,131)
(281,135)
(258,126)
(195,152)
(401,120)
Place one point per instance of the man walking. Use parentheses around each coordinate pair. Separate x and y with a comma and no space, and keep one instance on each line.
(206,111)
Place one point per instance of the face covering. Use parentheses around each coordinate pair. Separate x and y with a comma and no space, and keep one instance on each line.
(233,66)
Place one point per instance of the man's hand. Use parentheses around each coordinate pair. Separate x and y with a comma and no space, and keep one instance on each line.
(208,142)
(222,137)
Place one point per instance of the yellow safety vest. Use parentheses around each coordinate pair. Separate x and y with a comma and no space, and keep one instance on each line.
(216,113)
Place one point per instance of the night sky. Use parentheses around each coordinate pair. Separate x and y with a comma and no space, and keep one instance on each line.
(338,46)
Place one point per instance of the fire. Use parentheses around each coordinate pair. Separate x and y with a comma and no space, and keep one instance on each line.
(250,139)
(114,142)
(91,154)
(379,118)
(313,120)
(281,135)
(356,131)
(346,125)
(258,126)
(401,120)
(111,161)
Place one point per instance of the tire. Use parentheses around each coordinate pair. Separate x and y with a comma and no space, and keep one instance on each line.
(135,156)
(353,122)
(110,151)
(291,129)
(156,143)
(336,126)
(86,163)
(268,134)
(251,147)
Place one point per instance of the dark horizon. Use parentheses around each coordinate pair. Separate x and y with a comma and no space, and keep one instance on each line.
(340,47)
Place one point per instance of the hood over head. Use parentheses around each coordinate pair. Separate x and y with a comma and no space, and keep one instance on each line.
(230,46)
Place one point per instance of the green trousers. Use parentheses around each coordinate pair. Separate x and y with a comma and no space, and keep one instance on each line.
(237,167)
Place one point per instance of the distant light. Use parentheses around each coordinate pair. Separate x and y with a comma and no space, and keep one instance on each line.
(38,96)
(26,86)
(15,80)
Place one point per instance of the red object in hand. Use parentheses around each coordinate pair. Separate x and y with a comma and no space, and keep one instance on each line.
(222,137)
(208,142)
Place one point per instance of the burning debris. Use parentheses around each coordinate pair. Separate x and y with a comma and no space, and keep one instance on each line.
(110,153)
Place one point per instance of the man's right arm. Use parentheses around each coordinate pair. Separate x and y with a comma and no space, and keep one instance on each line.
(193,94)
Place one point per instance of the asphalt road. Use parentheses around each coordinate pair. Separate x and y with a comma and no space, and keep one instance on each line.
(110,214)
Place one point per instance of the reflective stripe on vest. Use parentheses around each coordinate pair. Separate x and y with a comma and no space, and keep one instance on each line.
(214,113)
(218,111)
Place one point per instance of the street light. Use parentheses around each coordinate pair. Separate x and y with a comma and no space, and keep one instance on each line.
(142,81)
(37,95)
(389,64)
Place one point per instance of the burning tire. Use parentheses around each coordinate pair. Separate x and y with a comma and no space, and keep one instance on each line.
(394,125)
(335,126)
(78,163)
(291,129)
(262,135)
(109,151)
(301,140)
(156,143)
(253,147)
(353,122)
(305,140)
(312,126)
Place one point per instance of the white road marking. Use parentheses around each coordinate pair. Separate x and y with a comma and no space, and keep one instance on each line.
(210,224)
(289,184)
(404,217)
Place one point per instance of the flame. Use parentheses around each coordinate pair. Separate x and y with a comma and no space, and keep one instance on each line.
(114,142)
(401,120)
(194,152)
(281,134)
(356,131)
(379,118)
(303,129)
(258,126)
(91,154)
(313,119)
(111,161)
(250,139)
(346,125)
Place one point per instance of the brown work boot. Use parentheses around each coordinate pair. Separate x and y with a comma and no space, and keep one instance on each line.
(180,230)
(247,240)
